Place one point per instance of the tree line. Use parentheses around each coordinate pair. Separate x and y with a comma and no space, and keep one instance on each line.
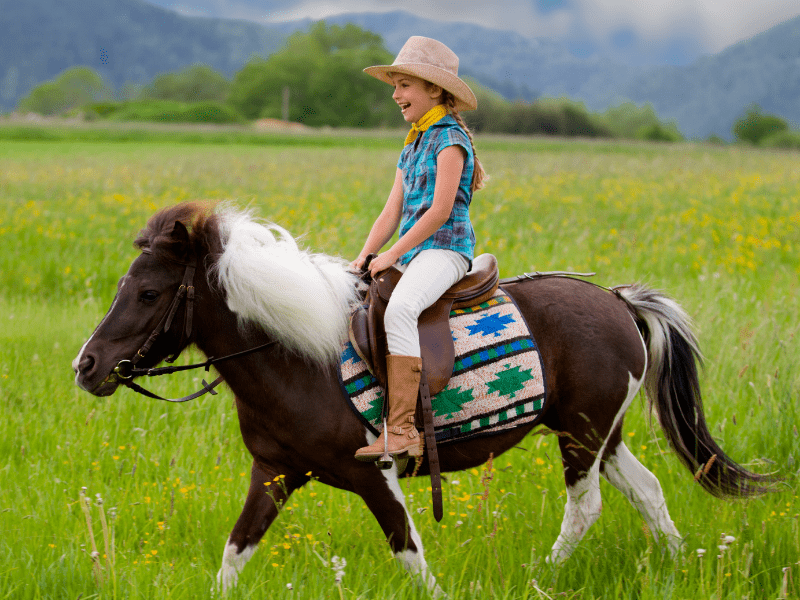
(317,80)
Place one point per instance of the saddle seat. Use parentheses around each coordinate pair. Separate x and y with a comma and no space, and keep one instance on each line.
(368,335)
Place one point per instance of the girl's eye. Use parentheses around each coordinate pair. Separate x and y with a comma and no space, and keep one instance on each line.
(148,296)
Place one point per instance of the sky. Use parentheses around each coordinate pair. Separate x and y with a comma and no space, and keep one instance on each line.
(644,31)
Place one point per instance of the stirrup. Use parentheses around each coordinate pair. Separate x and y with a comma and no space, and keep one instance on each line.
(385,460)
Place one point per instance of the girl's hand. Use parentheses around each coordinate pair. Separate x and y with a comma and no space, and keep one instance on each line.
(383,261)
(357,264)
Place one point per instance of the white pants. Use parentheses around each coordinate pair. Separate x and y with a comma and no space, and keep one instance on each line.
(429,275)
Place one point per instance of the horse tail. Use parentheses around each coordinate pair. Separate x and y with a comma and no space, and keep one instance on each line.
(672,387)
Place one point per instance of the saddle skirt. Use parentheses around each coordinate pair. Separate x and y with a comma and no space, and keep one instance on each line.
(368,335)
(497,377)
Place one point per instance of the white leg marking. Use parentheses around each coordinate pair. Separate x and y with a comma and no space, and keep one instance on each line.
(643,491)
(232,564)
(583,498)
(413,561)
(371,437)
(634,385)
(583,508)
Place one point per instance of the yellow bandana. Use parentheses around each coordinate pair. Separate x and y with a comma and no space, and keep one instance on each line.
(437,113)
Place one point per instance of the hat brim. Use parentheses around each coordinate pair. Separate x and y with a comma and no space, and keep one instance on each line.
(465,98)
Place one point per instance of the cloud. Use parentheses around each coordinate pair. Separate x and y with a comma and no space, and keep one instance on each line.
(715,24)
(654,28)
(541,18)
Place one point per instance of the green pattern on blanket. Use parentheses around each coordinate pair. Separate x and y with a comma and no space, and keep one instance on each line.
(497,380)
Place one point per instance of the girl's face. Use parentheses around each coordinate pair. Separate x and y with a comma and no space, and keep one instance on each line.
(414,96)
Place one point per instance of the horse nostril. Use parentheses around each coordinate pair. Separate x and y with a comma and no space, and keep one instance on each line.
(86,364)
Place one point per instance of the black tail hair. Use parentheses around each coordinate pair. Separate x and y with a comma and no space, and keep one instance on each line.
(672,386)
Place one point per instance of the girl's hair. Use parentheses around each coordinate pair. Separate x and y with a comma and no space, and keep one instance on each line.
(478,174)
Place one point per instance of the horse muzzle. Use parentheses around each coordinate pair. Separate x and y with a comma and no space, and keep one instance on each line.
(86,376)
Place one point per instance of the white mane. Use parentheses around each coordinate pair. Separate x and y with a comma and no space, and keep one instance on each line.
(301,299)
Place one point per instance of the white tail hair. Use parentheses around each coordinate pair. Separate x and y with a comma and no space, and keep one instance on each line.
(662,315)
(301,299)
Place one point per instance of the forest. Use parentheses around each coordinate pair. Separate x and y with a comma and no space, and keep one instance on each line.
(316,80)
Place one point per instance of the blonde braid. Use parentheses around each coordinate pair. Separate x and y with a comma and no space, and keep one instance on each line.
(478,173)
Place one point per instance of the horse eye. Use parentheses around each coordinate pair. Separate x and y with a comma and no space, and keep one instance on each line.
(148,296)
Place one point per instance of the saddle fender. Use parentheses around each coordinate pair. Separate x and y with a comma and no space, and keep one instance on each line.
(368,335)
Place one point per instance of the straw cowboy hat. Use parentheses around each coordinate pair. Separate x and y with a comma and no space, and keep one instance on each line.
(432,61)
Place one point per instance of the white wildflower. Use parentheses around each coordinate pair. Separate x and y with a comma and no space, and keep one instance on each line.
(338,565)
(701,552)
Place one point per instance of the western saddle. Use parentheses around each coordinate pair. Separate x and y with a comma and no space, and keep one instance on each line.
(436,341)
(368,336)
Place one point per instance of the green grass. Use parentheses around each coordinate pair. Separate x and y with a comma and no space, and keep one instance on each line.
(211,133)
(717,228)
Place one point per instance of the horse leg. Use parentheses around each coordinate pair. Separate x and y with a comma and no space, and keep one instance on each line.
(582,459)
(581,472)
(386,500)
(622,470)
(260,509)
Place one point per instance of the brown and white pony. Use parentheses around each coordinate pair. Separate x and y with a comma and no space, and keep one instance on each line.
(254,285)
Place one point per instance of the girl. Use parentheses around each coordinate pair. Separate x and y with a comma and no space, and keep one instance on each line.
(435,178)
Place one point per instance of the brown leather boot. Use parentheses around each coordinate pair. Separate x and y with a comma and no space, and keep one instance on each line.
(403,374)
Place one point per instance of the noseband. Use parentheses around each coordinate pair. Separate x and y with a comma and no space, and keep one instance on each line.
(126,370)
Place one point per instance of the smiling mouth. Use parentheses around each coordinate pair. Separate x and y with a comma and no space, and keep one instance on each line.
(403,106)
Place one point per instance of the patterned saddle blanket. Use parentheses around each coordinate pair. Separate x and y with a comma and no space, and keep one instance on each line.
(497,383)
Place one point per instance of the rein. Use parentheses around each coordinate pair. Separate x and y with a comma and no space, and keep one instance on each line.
(126,370)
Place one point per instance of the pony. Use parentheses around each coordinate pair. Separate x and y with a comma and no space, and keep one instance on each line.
(238,283)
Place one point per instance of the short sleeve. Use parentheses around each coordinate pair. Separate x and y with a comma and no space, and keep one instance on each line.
(453,136)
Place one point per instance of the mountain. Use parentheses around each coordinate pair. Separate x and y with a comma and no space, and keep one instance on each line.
(516,66)
(132,41)
(707,96)
(125,41)
(704,98)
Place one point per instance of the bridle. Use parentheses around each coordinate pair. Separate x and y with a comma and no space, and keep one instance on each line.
(126,370)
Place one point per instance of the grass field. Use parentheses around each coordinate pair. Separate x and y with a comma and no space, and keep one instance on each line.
(717,228)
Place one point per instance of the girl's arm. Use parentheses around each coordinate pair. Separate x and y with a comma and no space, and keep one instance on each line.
(385,225)
(449,166)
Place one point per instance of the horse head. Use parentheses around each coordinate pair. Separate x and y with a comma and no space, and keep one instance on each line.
(150,316)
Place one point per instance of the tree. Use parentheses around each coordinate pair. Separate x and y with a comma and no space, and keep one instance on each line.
(323,71)
(193,84)
(657,133)
(73,88)
(754,126)
(629,121)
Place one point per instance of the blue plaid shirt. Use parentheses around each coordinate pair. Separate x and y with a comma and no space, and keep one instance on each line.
(418,164)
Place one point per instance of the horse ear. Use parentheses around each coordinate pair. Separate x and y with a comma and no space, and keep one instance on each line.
(179,239)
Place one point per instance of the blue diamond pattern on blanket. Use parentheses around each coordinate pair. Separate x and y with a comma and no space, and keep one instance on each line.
(350,354)
(491,324)
(497,382)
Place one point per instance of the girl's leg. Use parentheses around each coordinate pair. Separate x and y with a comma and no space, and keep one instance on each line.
(426,278)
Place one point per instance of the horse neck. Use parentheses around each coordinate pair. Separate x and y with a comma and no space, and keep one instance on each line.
(267,378)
